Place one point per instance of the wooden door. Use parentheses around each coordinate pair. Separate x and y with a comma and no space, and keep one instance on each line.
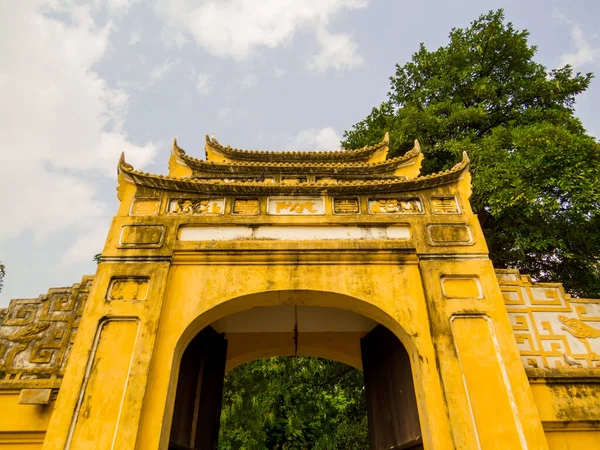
(199,393)
(390,393)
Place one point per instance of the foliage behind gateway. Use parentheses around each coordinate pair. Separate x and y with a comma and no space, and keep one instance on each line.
(536,173)
(294,403)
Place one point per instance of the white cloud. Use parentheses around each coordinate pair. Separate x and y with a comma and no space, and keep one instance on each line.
(161,71)
(60,122)
(338,51)
(134,37)
(239,28)
(157,74)
(119,6)
(88,244)
(204,83)
(316,139)
(278,72)
(44,202)
(585,53)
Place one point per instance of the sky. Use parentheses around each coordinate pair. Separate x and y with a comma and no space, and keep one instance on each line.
(81,82)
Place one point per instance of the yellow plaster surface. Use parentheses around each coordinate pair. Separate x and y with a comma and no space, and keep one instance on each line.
(22,427)
(96,416)
(435,289)
(495,416)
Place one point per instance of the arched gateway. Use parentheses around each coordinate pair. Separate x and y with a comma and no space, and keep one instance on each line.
(345,255)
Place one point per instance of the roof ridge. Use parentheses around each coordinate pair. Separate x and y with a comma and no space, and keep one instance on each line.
(413,153)
(460,166)
(212,141)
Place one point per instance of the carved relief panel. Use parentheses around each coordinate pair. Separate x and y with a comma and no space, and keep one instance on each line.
(408,205)
(128,288)
(245,207)
(295,206)
(444,205)
(552,329)
(145,206)
(196,206)
(326,181)
(36,334)
(346,206)
(292,181)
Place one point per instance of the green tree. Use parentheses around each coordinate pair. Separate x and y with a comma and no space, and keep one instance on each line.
(293,403)
(536,173)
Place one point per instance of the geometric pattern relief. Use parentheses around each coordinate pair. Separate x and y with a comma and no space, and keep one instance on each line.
(36,335)
(552,329)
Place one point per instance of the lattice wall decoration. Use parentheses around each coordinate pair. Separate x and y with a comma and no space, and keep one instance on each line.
(37,334)
(549,324)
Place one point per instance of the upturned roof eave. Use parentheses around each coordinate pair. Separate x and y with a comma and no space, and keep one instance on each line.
(309,168)
(220,187)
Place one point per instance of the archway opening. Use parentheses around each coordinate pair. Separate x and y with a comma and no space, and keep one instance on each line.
(297,331)
(294,402)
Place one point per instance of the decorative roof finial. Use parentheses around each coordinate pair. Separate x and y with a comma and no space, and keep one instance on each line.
(123,164)
(417,146)
(176,149)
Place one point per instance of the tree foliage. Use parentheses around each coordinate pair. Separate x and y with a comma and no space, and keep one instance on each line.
(293,403)
(536,173)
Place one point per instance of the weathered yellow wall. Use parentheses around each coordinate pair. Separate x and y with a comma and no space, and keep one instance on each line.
(433,287)
(411,286)
(22,427)
(569,405)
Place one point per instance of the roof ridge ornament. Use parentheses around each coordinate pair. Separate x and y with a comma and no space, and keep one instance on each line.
(199,163)
(212,139)
(123,164)
(176,149)
(217,152)
(178,166)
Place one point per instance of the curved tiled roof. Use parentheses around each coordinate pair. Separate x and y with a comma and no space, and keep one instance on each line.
(373,185)
(310,167)
(264,155)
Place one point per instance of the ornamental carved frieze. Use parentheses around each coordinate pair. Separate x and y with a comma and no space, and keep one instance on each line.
(326,181)
(292,181)
(345,206)
(552,329)
(145,206)
(578,328)
(410,205)
(260,179)
(195,206)
(444,205)
(245,207)
(36,335)
(294,206)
